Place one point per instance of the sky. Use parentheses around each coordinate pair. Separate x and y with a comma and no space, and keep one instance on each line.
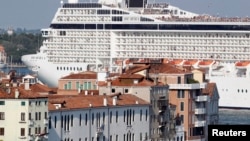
(37,14)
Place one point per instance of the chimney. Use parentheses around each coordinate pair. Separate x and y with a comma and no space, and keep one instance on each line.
(26,84)
(16,93)
(114,100)
(105,102)
(136,102)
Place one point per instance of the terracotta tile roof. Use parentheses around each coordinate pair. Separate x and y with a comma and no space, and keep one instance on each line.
(210,89)
(82,101)
(167,68)
(137,68)
(23,94)
(83,75)
(131,76)
(42,88)
(142,81)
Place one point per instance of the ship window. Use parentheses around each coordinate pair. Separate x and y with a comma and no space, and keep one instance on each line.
(246,91)
(103,11)
(116,18)
(99,26)
(90,26)
(62,33)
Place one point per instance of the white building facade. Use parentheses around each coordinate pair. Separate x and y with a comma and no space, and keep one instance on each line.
(23,119)
(109,122)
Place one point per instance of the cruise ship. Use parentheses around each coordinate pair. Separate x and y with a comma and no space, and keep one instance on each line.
(99,35)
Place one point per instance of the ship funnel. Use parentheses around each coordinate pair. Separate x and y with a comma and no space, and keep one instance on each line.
(72,1)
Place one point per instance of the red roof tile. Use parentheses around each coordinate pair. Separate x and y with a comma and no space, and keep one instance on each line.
(82,101)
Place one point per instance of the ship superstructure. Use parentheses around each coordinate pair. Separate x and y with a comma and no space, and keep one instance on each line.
(102,36)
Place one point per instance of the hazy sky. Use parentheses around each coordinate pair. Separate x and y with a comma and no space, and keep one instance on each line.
(37,14)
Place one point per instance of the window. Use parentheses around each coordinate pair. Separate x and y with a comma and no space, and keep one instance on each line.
(180,94)
(22,116)
(1,131)
(110,138)
(85,85)
(78,85)
(22,132)
(23,103)
(140,115)
(89,85)
(39,116)
(93,118)
(2,102)
(69,85)
(179,80)
(113,90)
(49,122)
(116,119)
(30,116)
(103,117)
(110,118)
(71,121)
(55,122)
(45,115)
(124,116)
(29,131)
(80,119)
(126,91)
(116,138)
(182,106)
(1,115)
(86,119)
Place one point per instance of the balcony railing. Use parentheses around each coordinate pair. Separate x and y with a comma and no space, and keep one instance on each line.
(200,123)
(200,111)
(201,98)
(188,86)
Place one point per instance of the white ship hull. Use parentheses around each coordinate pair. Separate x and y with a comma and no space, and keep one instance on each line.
(234,92)
(95,36)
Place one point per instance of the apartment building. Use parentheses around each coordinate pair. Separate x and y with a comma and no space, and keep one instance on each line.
(196,103)
(116,117)
(134,82)
(23,111)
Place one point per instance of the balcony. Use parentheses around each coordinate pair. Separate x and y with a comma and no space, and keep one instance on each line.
(187,86)
(200,123)
(200,111)
(179,128)
(201,98)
